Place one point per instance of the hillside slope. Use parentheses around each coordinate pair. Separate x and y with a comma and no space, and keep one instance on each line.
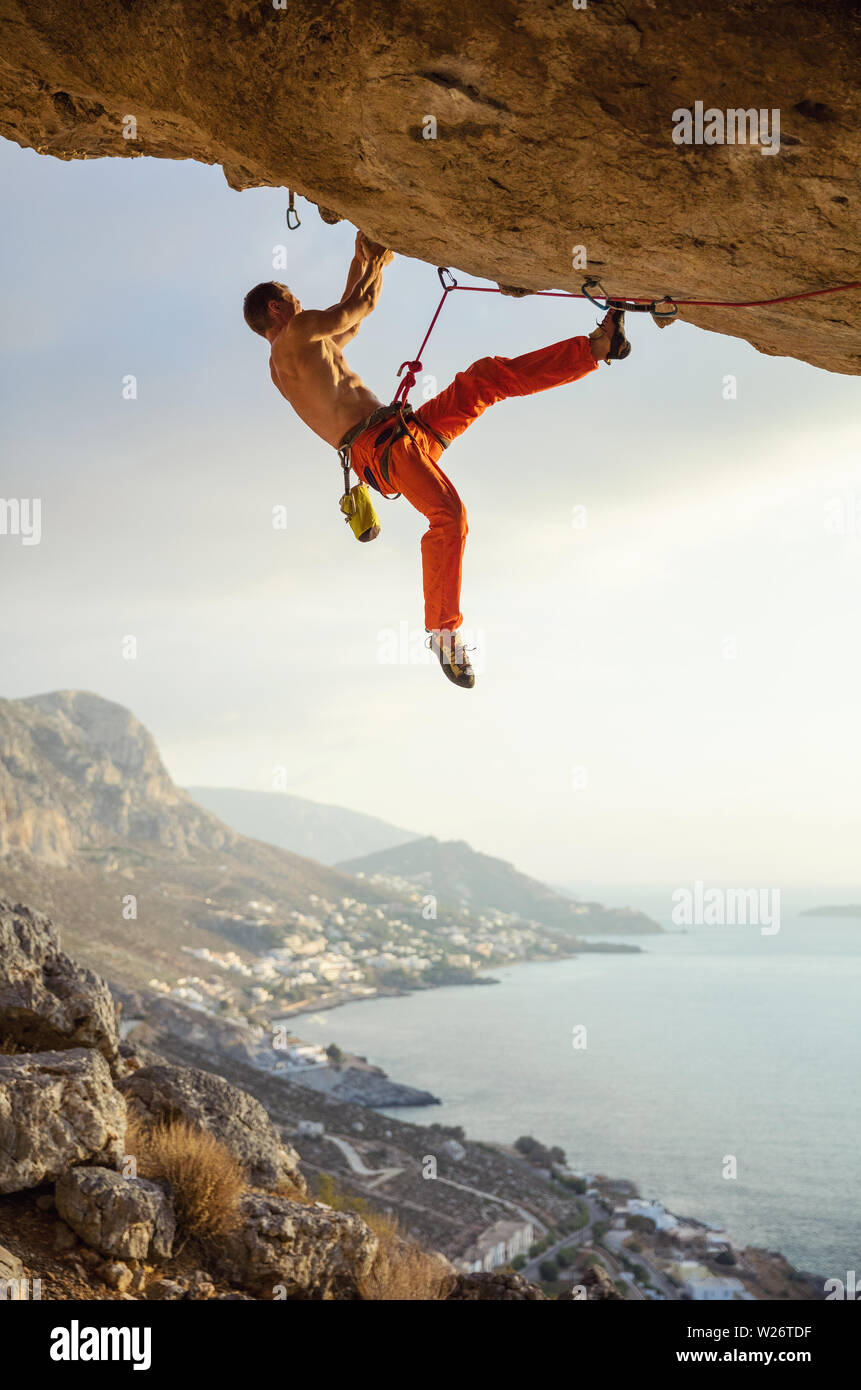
(461,877)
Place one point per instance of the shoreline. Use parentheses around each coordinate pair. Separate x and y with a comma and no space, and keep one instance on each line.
(480,979)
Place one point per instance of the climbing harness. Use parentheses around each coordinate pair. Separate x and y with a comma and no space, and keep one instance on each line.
(292,213)
(663,311)
(402,413)
(396,419)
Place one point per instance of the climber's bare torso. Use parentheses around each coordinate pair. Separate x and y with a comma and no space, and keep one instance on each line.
(315,377)
(307,361)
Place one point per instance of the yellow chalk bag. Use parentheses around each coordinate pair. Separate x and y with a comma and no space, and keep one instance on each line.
(359,511)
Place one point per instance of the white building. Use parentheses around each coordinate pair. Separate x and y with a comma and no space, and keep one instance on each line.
(498,1245)
(712,1288)
(655,1211)
(307,1054)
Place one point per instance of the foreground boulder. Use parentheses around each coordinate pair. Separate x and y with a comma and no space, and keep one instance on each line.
(234,1118)
(599,1285)
(47,1002)
(494,1287)
(283,1249)
(57,1109)
(126,1218)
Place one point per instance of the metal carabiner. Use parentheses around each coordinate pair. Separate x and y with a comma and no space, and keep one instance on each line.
(662,319)
(596,285)
(291,212)
(442,271)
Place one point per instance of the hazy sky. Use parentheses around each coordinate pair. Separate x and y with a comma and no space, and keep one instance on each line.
(668,692)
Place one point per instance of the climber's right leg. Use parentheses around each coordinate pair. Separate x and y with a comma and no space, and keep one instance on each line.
(493,379)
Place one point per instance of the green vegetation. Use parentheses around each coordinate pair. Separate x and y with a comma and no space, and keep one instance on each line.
(536,1153)
(398,978)
(641,1223)
(573,1184)
(441,974)
(539,1246)
(452,1132)
(580,1219)
(326,1190)
(548,1269)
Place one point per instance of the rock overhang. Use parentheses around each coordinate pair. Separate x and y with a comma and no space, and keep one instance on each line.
(495,137)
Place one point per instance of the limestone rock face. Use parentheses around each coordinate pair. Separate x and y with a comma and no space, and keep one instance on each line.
(10,1266)
(495,1287)
(57,1109)
(288,1250)
(126,1218)
(46,1001)
(494,136)
(236,1119)
(79,771)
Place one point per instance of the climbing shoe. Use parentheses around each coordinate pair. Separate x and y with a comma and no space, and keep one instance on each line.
(613,324)
(453,657)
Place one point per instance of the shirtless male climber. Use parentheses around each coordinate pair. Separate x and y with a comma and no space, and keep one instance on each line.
(393,448)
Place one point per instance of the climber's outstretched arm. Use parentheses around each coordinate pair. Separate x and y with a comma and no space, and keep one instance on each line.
(358,264)
(364,283)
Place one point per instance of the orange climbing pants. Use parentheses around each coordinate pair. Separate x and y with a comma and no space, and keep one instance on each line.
(413,466)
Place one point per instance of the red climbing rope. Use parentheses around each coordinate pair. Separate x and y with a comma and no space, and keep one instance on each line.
(702,303)
(415,366)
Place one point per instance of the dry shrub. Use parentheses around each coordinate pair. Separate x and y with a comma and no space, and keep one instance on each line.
(402,1271)
(206,1179)
(292,1193)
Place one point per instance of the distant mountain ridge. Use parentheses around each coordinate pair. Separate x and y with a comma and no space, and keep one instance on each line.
(313,828)
(460,876)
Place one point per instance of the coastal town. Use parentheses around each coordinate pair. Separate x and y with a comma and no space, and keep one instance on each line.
(338,951)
